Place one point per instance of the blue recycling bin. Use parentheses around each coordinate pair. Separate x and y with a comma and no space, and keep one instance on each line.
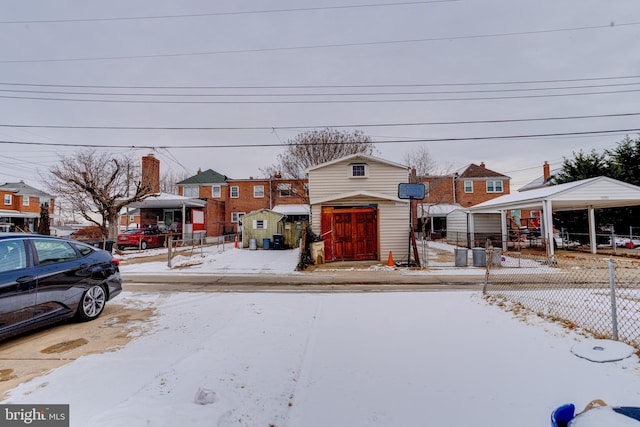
(266,243)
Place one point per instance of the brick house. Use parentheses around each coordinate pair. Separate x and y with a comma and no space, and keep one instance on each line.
(467,187)
(20,208)
(228,200)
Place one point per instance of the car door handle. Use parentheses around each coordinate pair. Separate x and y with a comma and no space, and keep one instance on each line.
(25,279)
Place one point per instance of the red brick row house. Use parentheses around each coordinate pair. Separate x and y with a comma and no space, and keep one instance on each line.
(20,206)
(228,200)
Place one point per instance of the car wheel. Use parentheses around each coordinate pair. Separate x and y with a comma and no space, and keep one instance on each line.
(143,245)
(92,303)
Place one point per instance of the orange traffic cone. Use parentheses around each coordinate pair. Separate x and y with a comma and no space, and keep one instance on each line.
(390,261)
(235,244)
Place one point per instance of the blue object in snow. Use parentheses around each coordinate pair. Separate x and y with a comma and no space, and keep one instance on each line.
(561,416)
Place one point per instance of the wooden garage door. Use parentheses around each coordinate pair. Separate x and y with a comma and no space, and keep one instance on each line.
(350,234)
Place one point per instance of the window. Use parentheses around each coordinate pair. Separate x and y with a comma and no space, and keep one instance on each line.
(25,200)
(494,186)
(12,255)
(284,190)
(259,224)
(236,216)
(192,191)
(7,199)
(468,186)
(358,170)
(215,191)
(50,251)
(235,191)
(258,191)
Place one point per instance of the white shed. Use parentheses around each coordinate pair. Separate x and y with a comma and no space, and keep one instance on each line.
(465,229)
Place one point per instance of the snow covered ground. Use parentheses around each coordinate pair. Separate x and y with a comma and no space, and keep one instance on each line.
(322,359)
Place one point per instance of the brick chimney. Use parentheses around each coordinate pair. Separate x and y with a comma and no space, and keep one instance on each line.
(482,164)
(546,173)
(151,173)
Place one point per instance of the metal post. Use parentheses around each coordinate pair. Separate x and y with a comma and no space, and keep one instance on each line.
(614,312)
(169,250)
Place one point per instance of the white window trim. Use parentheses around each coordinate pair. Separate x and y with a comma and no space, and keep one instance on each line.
(238,216)
(237,189)
(365,167)
(213,191)
(464,183)
(255,224)
(259,194)
(188,191)
(494,181)
(8,199)
(25,200)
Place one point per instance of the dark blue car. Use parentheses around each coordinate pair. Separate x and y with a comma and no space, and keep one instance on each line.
(45,279)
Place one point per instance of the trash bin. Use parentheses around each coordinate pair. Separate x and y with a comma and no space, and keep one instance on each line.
(107,245)
(479,257)
(317,252)
(253,244)
(266,243)
(278,241)
(496,258)
(461,255)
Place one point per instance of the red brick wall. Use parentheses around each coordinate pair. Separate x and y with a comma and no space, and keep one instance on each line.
(151,173)
(479,194)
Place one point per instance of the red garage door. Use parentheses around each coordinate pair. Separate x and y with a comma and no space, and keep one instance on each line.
(350,234)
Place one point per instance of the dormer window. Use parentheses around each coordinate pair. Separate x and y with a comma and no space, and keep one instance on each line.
(358,170)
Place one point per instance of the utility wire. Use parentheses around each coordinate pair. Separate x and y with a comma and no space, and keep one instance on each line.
(353,125)
(254,145)
(315,94)
(328,101)
(352,86)
(241,12)
(321,46)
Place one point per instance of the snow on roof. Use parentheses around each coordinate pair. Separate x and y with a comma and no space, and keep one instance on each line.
(293,209)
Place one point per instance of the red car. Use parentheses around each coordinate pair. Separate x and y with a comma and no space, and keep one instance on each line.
(140,238)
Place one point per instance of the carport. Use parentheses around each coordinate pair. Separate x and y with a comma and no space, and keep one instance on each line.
(588,194)
(156,208)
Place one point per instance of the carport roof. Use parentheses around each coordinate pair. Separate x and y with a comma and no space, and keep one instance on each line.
(168,201)
(597,193)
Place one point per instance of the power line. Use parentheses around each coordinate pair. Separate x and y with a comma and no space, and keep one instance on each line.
(254,145)
(322,46)
(315,94)
(244,12)
(353,125)
(343,86)
(320,101)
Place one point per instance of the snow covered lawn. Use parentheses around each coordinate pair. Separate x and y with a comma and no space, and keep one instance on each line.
(347,359)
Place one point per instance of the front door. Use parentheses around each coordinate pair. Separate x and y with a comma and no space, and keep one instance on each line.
(350,234)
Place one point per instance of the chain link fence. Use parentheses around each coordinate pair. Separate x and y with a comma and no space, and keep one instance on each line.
(594,293)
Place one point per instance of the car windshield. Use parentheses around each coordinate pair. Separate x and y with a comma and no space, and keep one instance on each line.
(132,232)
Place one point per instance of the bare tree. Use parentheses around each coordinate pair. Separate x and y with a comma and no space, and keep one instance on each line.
(169,179)
(314,147)
(420,159)
(97,184)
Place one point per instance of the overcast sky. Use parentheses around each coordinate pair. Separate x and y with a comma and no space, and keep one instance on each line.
(252,74)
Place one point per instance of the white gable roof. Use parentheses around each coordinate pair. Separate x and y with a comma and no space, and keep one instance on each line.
(357,157)
(599,192)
